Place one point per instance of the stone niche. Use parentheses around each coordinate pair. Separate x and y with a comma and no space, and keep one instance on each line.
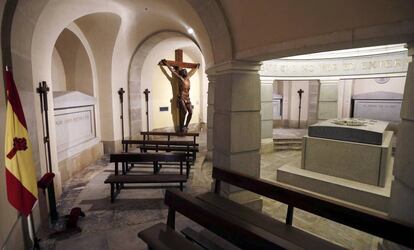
(77,142)
(346,159)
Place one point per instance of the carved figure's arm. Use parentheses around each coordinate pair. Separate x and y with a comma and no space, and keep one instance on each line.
(165,72)
(171,68)
(192,71)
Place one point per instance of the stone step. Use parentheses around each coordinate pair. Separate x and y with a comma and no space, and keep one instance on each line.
(287,139)
(287,142)
(284,148)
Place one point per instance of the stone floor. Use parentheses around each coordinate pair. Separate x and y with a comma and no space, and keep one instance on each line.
(115,226)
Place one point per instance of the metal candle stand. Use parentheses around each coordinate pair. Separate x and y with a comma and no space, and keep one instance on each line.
(121,92)
(146,93)
(300,92)
(42,91)
(46,182)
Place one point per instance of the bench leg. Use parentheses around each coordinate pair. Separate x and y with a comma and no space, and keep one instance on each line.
(181,186)
(112,193)
(188,169)
(289,215)
(171,218)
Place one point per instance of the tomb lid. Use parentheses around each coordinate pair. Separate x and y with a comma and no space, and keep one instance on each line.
(379,95)
(355,130)
(72,99)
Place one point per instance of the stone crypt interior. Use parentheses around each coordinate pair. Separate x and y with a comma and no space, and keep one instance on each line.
(314,98)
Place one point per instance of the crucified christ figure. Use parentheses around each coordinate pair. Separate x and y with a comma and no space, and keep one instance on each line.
(183,98)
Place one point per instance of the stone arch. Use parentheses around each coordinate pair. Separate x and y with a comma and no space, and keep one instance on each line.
(32,42)
(135,72)
(215,22)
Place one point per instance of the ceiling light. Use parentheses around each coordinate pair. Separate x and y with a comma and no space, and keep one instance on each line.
(190,31)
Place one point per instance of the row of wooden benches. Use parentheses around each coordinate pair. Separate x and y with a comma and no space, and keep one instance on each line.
(167,152)
(118,180)
(250,229)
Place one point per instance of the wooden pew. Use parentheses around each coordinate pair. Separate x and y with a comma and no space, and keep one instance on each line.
(146,135)
(162,237)
(118,180)
(250,229)
(188,147)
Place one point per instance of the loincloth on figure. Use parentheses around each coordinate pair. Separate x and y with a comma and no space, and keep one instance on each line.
(186,101)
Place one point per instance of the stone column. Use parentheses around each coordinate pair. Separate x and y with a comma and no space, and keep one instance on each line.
(210,115)
(266,92)
(402,191)
(402,188)
(237,126)
(328,99)
(313,102)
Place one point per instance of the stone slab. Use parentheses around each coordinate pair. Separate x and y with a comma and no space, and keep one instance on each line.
(371,132)
(385,106)
(277,109)
(365,163)
(356,193)
(67,99)
(75,130)
(385,110)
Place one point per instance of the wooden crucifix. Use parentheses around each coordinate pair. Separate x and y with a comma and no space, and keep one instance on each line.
(180,82)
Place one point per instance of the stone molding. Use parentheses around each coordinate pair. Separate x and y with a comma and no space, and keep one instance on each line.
(369,65)
(235,66)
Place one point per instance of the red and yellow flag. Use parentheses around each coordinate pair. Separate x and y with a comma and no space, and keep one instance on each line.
(20,170)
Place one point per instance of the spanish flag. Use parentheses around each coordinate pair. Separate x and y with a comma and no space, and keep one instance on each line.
(20,170)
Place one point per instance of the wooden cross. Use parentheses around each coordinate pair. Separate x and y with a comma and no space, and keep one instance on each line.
(179,61)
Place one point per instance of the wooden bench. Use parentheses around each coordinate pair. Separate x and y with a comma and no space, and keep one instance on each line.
(118,180)
(162,237)
(146,135)
(188,147)
(250,229)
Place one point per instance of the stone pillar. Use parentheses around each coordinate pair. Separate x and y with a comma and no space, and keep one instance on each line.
(266,93)
(210,116)
(402,188)
(328,99)
(285,90)
(237,126)
(313,102)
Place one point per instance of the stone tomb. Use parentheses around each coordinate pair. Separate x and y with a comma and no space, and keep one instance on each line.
(360,152)
(77,143)
(345,159)
(385,106)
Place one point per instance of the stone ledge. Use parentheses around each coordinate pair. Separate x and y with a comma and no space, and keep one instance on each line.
(353,192)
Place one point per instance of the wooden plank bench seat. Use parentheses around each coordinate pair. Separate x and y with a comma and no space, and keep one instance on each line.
(250,229)
(188,147)
(162,237)
(236,227)
(146,135)
(114,180)
(117,180)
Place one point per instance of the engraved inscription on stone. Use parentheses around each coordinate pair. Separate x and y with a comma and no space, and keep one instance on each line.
(385,110)
(396,62)
(74,126)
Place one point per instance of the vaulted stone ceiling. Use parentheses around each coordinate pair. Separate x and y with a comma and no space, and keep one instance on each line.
(267,23)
